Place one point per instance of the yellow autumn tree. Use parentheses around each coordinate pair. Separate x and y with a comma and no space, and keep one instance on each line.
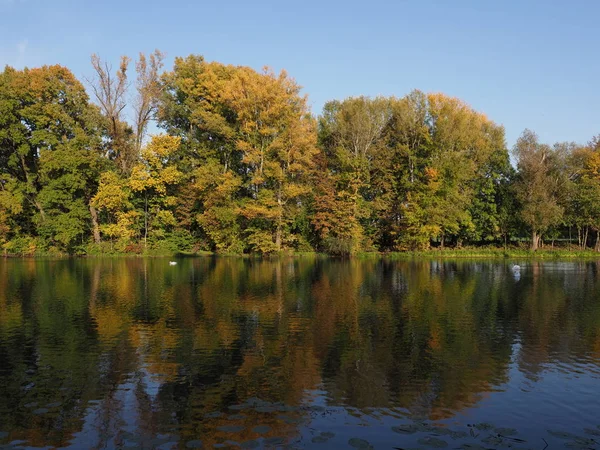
(151,181)
(113,201)
(277,139)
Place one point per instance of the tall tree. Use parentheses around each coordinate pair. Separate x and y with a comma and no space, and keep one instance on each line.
(50,143)
(276,137)
(110,91)
(538,185)
(149,89)
(152,179)
(351,135)
(251,135)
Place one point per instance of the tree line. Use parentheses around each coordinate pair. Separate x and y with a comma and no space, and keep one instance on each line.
(241,165)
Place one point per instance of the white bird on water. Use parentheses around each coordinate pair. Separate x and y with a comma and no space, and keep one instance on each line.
(516,267)
(172,263)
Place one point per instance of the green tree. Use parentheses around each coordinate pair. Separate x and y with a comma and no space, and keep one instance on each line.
(50,150)
(538,185)
(351,134)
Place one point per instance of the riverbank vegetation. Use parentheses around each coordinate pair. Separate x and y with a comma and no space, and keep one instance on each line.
(240,165)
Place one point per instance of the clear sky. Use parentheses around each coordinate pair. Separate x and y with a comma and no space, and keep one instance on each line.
(525,63)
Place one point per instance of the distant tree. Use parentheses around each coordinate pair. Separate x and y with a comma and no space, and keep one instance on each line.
(582,198)
(537,186)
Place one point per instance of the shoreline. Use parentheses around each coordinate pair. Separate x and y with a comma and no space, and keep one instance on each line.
(463,253)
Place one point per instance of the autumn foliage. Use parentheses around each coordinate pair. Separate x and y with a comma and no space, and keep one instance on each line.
(241,165)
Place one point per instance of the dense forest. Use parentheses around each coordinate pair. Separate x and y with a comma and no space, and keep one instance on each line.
(241,165)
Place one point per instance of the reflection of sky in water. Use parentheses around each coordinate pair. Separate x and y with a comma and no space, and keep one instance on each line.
(126,352)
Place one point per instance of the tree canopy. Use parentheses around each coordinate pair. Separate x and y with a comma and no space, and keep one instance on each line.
(241,165)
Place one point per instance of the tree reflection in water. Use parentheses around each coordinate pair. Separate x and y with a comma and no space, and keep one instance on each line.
(114,352)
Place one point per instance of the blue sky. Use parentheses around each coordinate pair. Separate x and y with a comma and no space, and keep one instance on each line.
(526,64)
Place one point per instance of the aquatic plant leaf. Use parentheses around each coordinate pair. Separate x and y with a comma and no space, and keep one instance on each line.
(405,429)
(592,431)
(562,434)
(323,437)
(458,434)
(250,444)
(492,440)
(506,431)
(433,442)
(261,429)
(581,443)
(359,443)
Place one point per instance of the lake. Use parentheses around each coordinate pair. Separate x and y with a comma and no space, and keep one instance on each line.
(299,353)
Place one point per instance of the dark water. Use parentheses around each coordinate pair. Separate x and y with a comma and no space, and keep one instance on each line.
(117,353)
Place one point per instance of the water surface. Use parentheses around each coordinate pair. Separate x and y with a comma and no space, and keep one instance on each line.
(300,353)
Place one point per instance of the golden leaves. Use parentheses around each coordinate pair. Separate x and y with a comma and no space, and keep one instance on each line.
(153,171)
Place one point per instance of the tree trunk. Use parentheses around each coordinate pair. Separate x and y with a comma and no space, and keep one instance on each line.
(95,226)
(146,220)
(442,238)
(40,208)
(278,238)
(534,241)
(279,222)
(597,247)
(570,240)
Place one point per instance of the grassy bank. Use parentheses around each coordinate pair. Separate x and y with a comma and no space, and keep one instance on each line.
(449,253)
(486,252)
